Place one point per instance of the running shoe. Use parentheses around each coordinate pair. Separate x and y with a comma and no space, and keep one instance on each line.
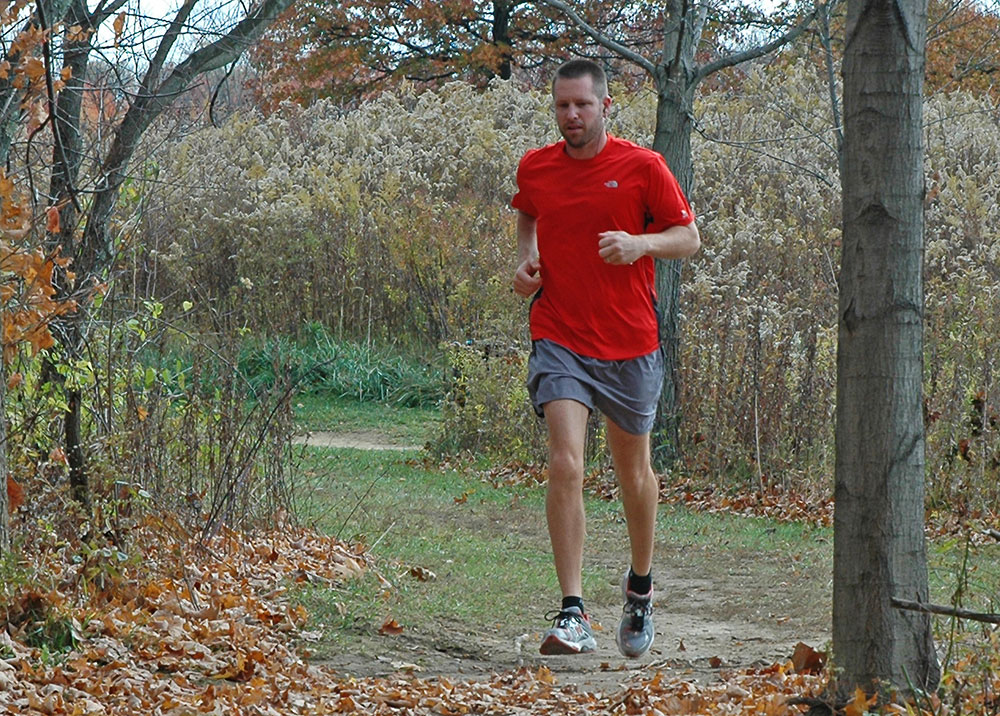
(570,633)
(634,635)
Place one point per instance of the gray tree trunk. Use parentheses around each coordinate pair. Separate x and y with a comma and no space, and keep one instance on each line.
(4,517)
(879,550)
(672,139)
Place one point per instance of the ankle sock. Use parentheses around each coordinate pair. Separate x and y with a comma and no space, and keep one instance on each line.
(577,602)
(639,585)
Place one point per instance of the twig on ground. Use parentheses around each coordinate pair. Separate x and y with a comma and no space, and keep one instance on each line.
(946,611)
(995,534)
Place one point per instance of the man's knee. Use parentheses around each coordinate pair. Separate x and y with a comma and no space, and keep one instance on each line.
(637,479)
(565,467)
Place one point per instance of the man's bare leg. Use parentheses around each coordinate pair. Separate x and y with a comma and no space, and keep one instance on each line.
(640,492)
(567,425)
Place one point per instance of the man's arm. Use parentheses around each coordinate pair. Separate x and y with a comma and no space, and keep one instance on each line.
(677,242)
(526,278)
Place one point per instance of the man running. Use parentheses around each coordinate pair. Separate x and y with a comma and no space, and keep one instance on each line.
(594,211)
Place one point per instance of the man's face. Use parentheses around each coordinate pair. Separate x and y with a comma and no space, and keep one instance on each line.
(579,111)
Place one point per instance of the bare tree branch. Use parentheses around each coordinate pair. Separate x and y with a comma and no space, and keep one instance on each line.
(831,78)
(146,108)
(946,611)
(760,50)
(600,38)
(166,44)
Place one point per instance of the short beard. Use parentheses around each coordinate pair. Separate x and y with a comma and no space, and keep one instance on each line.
(584,140)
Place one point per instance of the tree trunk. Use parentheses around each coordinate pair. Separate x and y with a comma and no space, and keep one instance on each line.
(501,36)
(4,505)
(879,550)
(672,140)
(67,152)
(67,158)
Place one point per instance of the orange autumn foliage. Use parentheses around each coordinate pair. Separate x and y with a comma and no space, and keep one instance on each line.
(28,300)
(15,494)
(963,47)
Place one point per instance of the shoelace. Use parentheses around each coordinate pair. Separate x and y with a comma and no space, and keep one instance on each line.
(562,619)
(637,611)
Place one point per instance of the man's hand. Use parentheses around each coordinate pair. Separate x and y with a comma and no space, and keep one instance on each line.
(620,248)
(526,279)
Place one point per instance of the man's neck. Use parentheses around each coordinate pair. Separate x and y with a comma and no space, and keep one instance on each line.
(589,150)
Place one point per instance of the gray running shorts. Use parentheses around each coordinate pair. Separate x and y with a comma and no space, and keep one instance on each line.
(626,391)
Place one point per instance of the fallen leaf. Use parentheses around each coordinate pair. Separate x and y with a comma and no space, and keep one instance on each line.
(405,666)
(424,575)
(545,675)
(390,627)
(859,705)
(736,692)
(807,660)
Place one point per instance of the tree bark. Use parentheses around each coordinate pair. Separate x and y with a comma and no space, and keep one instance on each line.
(4,505)
(676,88)
(501,35)
(879,549)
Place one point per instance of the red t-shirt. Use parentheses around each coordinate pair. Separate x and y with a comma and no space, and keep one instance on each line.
(593,308)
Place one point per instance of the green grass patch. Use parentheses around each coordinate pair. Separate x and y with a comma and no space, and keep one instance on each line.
(407,425)
(420,521)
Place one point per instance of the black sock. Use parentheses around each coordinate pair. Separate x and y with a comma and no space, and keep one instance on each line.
(577,602)
(639,585)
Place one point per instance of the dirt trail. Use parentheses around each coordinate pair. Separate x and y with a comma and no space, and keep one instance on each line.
(357,439)
(714,612)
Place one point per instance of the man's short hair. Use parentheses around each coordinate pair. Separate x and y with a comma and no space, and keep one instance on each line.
(574,69)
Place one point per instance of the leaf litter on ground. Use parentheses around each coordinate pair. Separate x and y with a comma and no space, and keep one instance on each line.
(211,628)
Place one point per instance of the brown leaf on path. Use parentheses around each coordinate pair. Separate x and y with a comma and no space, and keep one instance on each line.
(390,627)
(807,660)
(545,675)
(715,662)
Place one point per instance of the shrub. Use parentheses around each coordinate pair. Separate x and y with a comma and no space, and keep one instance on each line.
(486,411)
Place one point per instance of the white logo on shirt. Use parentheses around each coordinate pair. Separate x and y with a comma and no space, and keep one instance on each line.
(611,184)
